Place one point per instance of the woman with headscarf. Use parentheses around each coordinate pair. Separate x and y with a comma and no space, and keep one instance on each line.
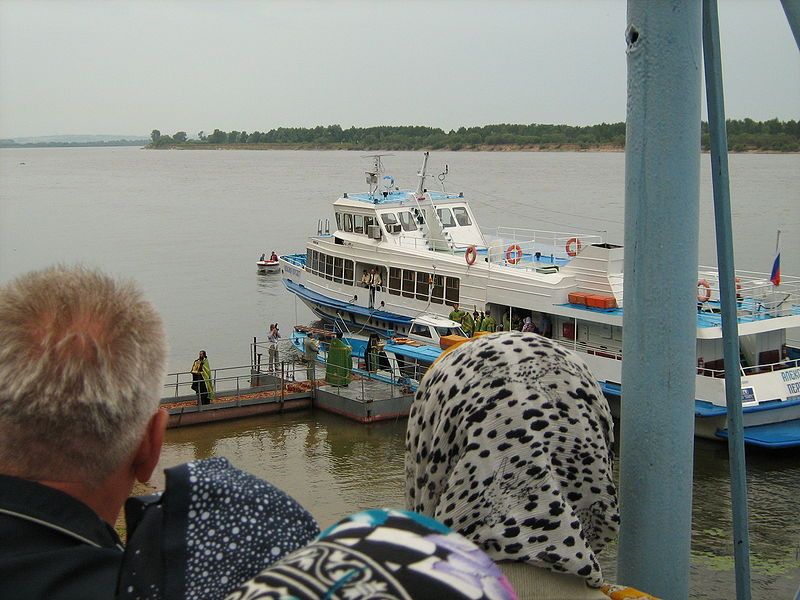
(385,554)
(528,326)
(509,443)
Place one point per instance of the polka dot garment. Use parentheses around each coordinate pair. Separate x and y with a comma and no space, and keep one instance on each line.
(212,529)
(509,443)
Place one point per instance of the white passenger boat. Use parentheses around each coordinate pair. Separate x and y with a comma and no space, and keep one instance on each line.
(429,253)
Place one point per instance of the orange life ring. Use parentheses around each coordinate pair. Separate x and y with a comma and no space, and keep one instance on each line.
(470,255)
(514,254)
(703,295)
(569,246)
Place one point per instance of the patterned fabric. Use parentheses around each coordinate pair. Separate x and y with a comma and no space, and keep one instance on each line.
(509,443)
(213,528)
(382,555)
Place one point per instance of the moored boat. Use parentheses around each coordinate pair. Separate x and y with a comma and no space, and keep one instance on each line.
(398,253)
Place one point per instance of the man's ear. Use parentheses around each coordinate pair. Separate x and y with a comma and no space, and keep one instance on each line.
(150,447)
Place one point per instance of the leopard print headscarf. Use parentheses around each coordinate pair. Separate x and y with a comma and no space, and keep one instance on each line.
(509,443)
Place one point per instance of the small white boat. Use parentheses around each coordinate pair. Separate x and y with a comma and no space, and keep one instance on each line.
(269,265)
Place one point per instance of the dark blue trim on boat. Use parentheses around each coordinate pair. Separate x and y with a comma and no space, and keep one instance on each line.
(321,300)
(771,435)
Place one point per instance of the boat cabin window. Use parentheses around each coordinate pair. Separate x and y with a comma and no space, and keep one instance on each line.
(389,219)
(394,280)
(462,216)
(446,217)
(423,279)
(421,330)
(358,224)
(348,222)
(443,331)
(407,221)
(451,289)
(408,283)
(437,296)
(338,269)
(368,222)
(338,220)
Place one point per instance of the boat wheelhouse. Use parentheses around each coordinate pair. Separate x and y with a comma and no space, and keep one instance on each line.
(396,254)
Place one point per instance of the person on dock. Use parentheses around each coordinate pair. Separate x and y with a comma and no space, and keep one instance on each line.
(82,360)
(201,379)
(488,324)
(310,351)
(382,553)
(526,473)
(272,350)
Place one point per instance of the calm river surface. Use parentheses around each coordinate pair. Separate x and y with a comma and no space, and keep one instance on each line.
(189,225)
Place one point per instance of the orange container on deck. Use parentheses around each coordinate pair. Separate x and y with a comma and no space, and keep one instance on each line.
(601,301)
(450,340)
(577,297)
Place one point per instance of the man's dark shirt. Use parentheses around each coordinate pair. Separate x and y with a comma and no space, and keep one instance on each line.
(53,546)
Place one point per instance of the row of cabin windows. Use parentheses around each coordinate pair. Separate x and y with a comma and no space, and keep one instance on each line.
(458,217)
(334,268)
(419,284)
(403,220)
(361,224)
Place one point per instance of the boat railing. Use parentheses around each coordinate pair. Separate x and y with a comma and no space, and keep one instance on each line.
(756,296)
(225,380)
(592,349)
(529,248)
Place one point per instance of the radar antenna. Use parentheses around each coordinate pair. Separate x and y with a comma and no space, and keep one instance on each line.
(376,173)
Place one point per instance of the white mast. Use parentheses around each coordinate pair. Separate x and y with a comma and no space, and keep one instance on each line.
(421,175)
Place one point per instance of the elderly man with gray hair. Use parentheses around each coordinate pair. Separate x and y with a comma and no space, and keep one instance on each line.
(82,360)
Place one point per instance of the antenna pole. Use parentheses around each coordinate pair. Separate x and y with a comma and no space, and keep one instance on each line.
(421,174)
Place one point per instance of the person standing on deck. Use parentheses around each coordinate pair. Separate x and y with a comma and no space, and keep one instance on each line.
(201,379)
(456,314)
(467,324)
(488,324)
(365,279)
(272,338)
(374,284)
(506,321)
(310,351)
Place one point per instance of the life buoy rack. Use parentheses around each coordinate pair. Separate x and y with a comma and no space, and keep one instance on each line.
(573,246)
(703,290)
(471,255)
(514,254)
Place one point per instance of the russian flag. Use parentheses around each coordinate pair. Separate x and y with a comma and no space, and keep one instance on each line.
(775,276)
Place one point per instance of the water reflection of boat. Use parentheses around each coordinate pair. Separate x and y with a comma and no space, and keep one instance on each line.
(428,253)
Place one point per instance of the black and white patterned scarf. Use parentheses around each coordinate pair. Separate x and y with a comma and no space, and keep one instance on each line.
(509,443)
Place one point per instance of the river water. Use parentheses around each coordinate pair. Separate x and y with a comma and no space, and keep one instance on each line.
(189,225)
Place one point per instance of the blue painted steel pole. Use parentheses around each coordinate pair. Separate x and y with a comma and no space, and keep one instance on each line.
(727,290)
(792,10)
(662,187)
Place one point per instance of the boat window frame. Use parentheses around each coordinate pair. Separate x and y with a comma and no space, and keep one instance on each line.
(408,283)
(451,223)
(338,269)
(395,280)
(389,219)
(338,220)
(348,222)
(438,286)
(356,227)
(410,224)
(422,287)
(462,212)
(452,291)
(417,329)
(349,271)
(328,266)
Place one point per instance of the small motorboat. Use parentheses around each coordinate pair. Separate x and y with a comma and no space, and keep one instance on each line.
(268,264)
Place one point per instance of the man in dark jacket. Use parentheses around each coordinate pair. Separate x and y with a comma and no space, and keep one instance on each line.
(82,363)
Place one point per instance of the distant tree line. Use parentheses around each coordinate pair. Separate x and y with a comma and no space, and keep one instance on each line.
(92,144)
(743,135)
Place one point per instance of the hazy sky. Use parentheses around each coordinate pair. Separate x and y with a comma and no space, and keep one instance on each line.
(127,67)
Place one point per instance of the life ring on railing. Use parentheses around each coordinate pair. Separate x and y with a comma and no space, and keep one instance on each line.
(704,294)
(471,255)
(514,254)
(573,246)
